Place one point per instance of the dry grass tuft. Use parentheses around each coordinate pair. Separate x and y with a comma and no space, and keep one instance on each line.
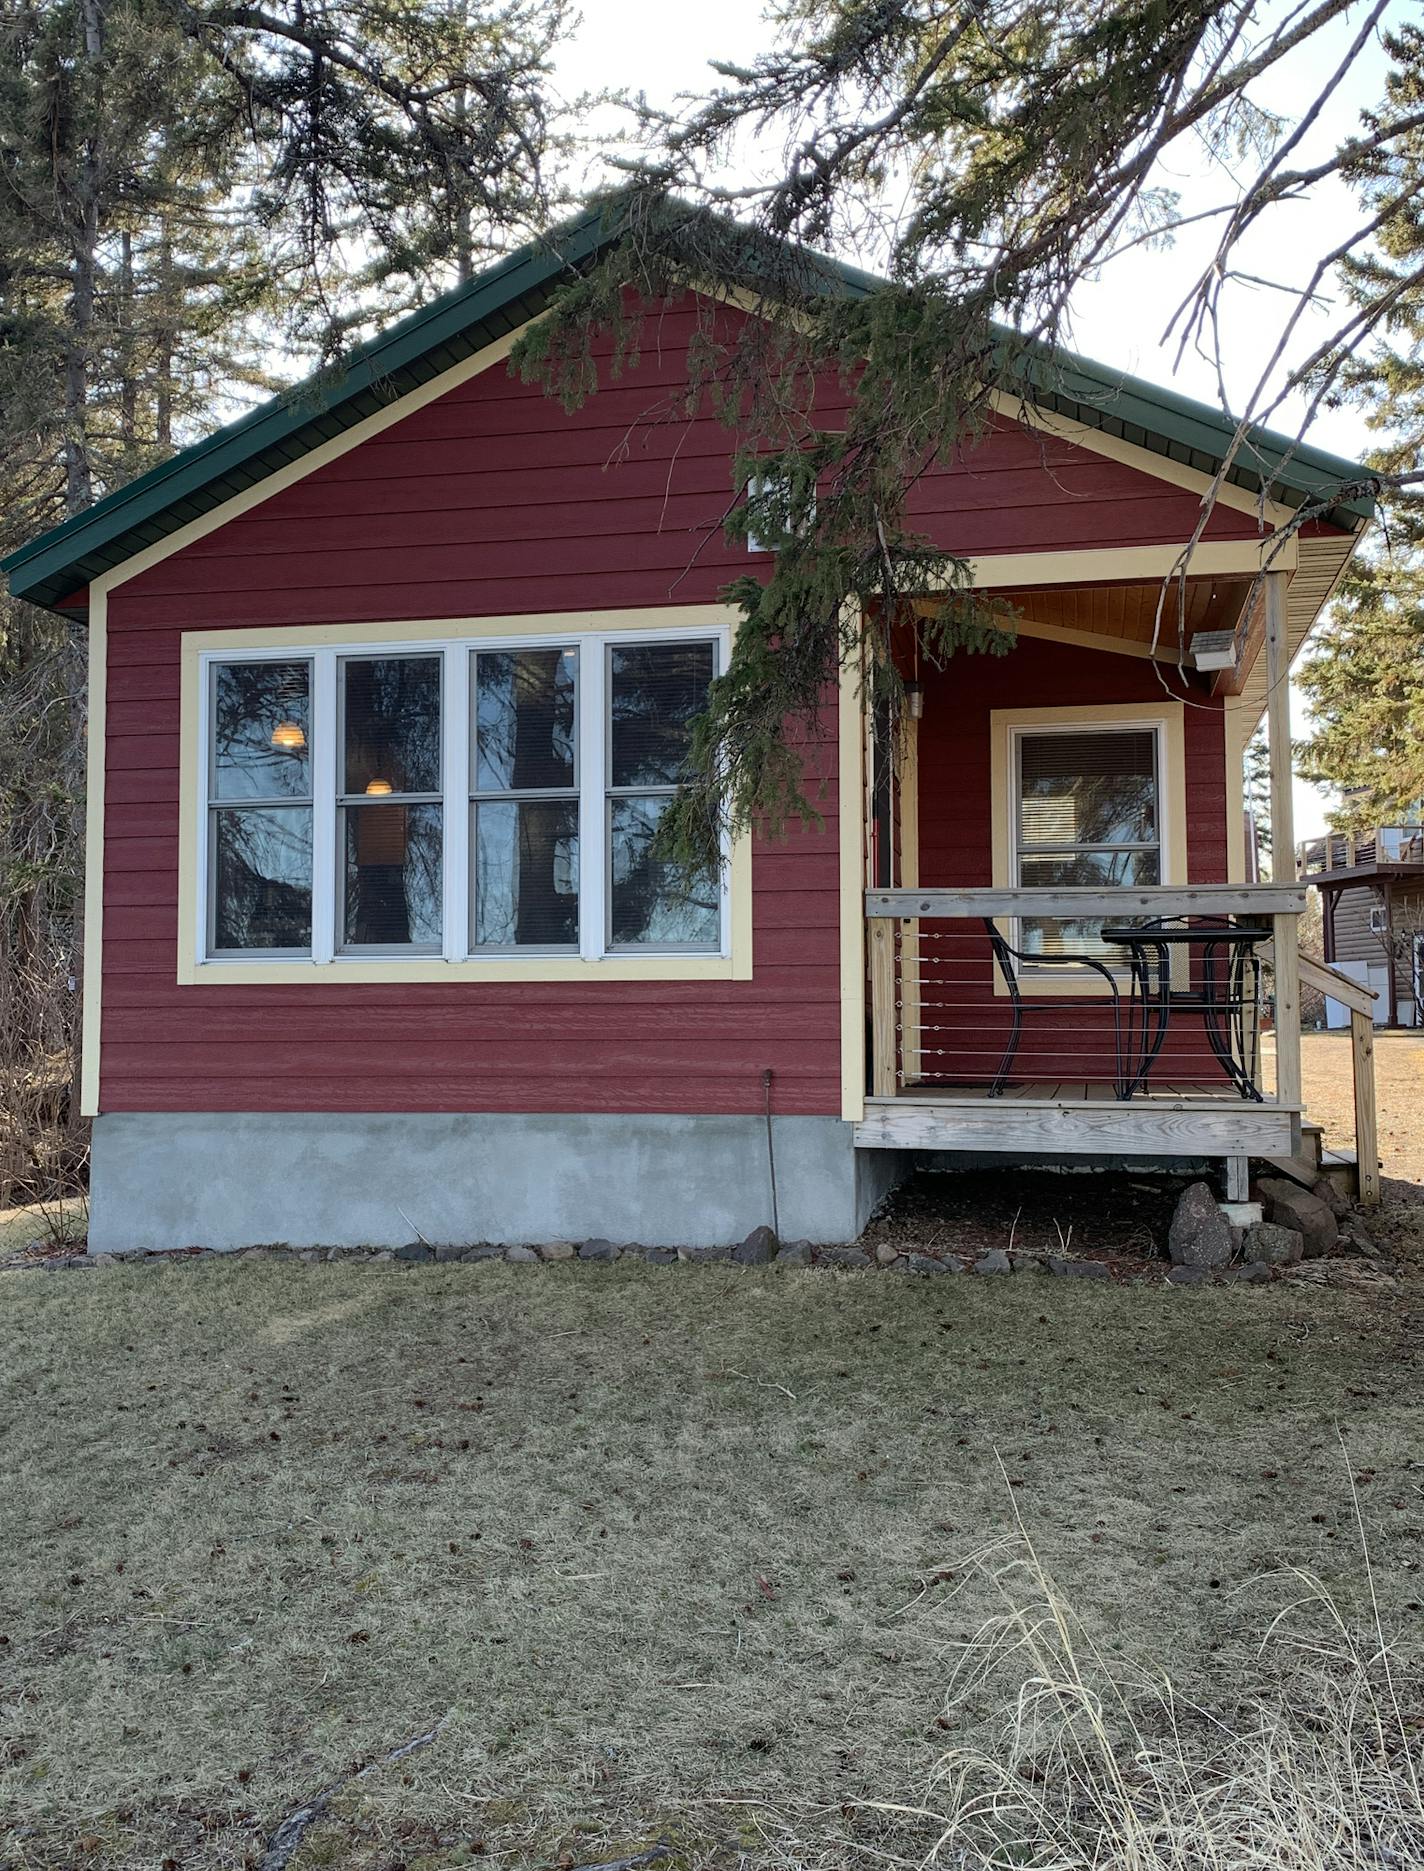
(1097,1765)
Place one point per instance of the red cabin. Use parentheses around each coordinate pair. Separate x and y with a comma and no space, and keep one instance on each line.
(391,683)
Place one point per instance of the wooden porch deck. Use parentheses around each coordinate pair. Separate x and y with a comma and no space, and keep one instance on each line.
(1082,1116)
(1079,1118)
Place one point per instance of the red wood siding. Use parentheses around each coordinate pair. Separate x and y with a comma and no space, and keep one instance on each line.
(492,500)
(1057,1044)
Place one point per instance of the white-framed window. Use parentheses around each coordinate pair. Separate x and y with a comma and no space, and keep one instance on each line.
(463,799)
(774,484)
(1088,807)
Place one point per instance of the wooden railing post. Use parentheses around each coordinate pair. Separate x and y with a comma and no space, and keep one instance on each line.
(882,1006)
(1362,1060)
(1286,946)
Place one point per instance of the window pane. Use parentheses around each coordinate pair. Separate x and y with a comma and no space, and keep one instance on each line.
(524,720)
(392,875)
(392,724)
(651,902)
(654,691)
(262,877)
(1090,869)
(526,873)
(261,731)
(1088,789)
(1051,935)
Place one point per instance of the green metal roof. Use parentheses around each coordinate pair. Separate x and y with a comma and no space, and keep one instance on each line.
(458,323)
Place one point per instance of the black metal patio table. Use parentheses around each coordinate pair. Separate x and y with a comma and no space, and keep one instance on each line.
(1227,992)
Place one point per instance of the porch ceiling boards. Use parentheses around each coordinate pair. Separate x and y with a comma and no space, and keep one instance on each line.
(1125,616)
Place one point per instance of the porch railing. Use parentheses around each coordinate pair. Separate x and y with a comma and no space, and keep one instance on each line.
(1344,851)
(977,993)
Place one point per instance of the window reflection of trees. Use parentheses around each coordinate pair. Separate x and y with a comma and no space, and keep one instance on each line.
(526,805)
(1088,816)
(392,836)
(263,898)
(261,757)
(655,691)
(252,702)
(393,876)
(654,902)
(392,723)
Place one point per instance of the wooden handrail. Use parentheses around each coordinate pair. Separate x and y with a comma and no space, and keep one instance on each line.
(1075,901)
(1327,980)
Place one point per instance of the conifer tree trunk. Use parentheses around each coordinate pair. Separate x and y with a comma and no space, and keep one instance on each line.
(78,472)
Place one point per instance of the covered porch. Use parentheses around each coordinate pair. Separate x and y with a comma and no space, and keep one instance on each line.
(1068,951)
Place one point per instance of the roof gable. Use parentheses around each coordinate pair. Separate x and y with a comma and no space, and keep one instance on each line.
(53,569)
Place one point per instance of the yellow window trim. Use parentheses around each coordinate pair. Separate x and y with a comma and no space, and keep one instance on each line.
(193,971)
(1004,723)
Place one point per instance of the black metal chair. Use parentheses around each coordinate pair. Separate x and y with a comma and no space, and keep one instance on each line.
(1010,960)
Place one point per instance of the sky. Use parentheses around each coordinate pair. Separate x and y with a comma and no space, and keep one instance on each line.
(647,45)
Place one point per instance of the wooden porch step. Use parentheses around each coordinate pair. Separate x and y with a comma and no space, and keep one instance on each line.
(1337,1166)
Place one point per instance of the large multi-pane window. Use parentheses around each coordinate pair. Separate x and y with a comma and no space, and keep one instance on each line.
(455,800)
(1087,811)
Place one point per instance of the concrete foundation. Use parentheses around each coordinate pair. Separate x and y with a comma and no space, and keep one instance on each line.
(231,1180)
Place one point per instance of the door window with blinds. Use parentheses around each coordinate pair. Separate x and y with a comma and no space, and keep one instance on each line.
(1087,811)
(454,799)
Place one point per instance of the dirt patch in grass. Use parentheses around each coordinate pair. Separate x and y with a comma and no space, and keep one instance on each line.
(678,1553)
(1041,1212)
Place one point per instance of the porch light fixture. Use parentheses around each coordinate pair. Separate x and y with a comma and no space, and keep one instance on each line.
(289,736)
(1214,649)
(915,700)
(378,788)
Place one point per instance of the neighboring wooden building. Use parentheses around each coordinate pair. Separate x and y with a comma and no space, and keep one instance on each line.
(1371,886)
(390,683)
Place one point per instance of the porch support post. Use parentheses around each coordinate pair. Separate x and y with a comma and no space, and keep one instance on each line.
(1286,953)
(1362,1060)
(909,792)
(1238,1179)
(1279,731)
(882,1007)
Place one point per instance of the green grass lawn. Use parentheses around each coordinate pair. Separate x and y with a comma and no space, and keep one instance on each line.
(679,1553)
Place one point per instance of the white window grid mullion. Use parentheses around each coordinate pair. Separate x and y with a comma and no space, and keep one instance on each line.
(326,756)
(458,728)
(593,803)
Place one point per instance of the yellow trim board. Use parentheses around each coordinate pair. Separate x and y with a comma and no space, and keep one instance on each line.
(1237,729)
(193,971)
(1005,722)
(1117,565)
(851,809)
(94,850)
(422,970)
(295,637)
